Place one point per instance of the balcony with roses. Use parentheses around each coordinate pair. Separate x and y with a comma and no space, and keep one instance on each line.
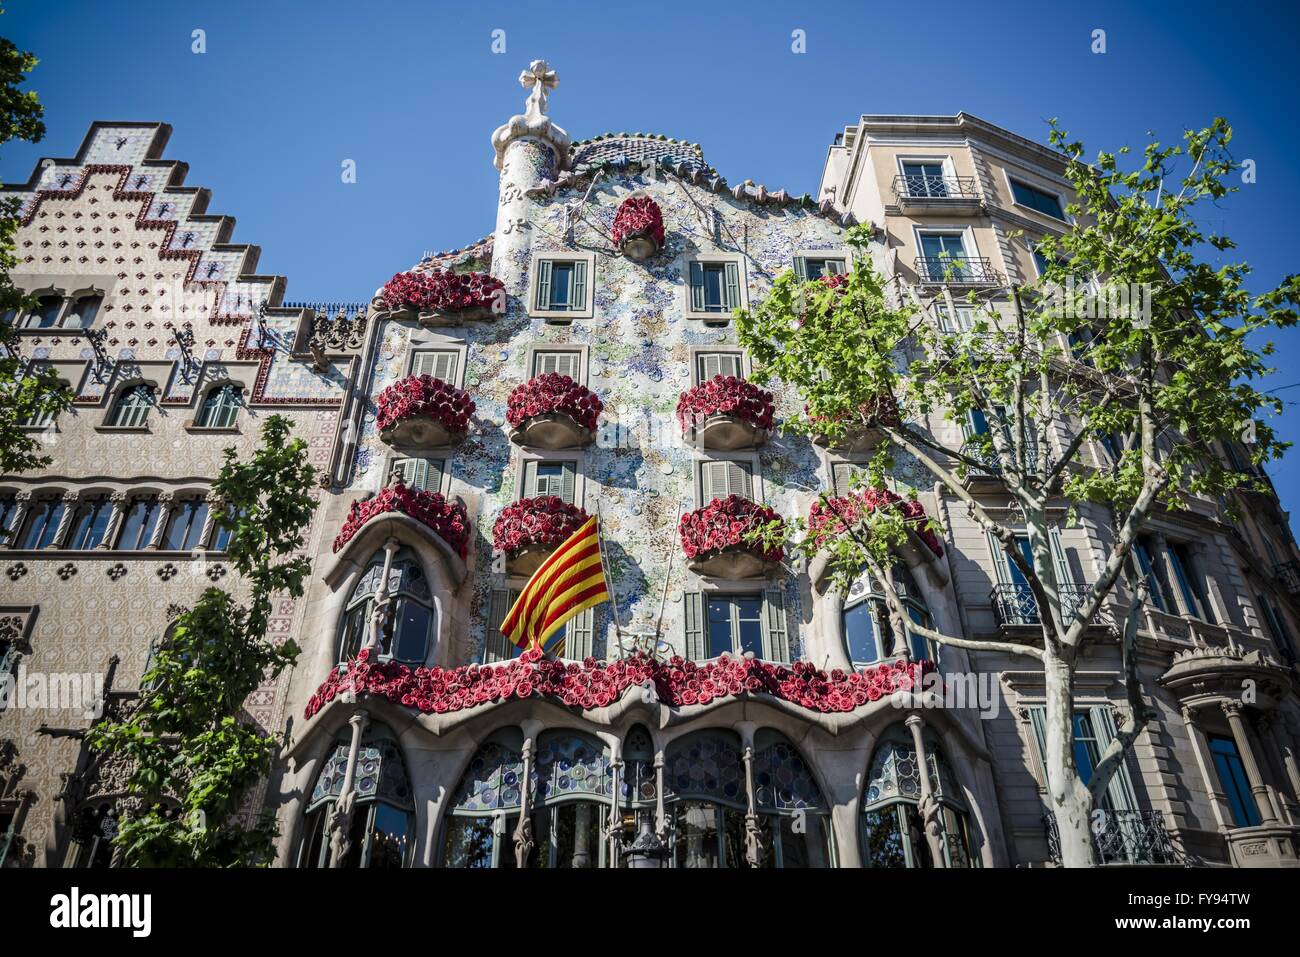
(527,531)
(726,414)
(427,521)
(861,430)
(441,297)
(638,227)
(421,412)
(732,538)
(551,411)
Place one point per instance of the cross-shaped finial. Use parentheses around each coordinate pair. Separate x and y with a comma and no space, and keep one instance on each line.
(539,79)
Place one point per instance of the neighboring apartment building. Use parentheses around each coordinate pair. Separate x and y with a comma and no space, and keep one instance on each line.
(792,757)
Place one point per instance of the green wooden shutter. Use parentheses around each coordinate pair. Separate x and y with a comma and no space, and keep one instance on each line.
(578,289)
(441,364)
(696,647)
(496,647)
(778,644)
(833,267)
(697,287)
(530,479)
(733,287)
(731,363)
(1120,788)
(842,474)
(1063,574)
(579,635)
(801,268)
(740,480)
(567,482)
(564,363)
(1038,723)
(544,285)
(710,365)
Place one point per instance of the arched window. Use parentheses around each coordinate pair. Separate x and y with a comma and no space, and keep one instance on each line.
(893,833)
(220,406)
(83,312)
(93,830)
(91,522)
(868,634)
(185,528)
(411,620)
(794,813)
(704,777)
(138,525)
(42,523)
(131,410)
(383,816)
(46,313)
(570,788)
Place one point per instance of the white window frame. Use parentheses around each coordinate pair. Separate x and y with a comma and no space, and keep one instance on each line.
(427,346)
(944,159)
(1052,190)
(742,272)
(562,256)
(747,458)
(746,366)
(573,457)
(396,458)
(542,347)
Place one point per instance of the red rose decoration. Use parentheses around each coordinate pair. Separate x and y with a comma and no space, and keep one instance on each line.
(546,520)
(448,520)
(423,395)
(440,290)
(825,522)
(638,216)
(882,410)
(552,392)
(726,395)
(725,522)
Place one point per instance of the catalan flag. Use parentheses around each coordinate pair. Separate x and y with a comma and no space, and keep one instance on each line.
(570,581)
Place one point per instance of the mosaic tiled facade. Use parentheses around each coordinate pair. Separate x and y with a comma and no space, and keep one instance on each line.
(797,758)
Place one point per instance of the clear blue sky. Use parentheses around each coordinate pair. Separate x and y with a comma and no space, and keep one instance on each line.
(412,91)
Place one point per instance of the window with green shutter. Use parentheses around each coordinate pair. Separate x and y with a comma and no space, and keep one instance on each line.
(710,364)
(421,473)
(714,287)
(842,476)
(693,615)
(440,363)
(577,640)
(778,644)
(564,362)
(496,647)
(549,478)
(720,479)
(719,624)
(809,267)
(561,285)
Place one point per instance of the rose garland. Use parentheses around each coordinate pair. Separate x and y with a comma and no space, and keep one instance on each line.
(546,520)
(638,216)
(441,290)
(423,395)
(447,519)
(825,522)
(598,684)
(727,395)
(553,392)
(725,522)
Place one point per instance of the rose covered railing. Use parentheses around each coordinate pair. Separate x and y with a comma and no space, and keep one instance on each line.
(448,520)
(598,684)
(527,531)
(845,511)
(440,297)
(726,413)
(860,431)
(716,539)
(423,411)
(551,411)
(638,228)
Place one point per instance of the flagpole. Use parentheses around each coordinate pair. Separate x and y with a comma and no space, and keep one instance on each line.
(609,585)
(668,575)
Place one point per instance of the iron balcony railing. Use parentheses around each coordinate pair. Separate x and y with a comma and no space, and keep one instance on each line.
(1014,603)
(6,842)
(990,463)
(918,187)
(957,270)
(1288,573)
(1123,837)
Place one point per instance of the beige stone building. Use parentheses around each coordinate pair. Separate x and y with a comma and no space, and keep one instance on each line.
(773,740)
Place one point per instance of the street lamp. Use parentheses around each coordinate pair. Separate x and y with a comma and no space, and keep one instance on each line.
(647,850)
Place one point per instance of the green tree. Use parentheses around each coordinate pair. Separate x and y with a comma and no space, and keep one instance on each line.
(27,392)
(195,754)
(1171,388)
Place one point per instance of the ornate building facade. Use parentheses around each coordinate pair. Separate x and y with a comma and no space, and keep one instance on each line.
(731,707)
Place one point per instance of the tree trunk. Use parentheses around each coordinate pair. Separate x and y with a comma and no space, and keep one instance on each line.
(1068,797)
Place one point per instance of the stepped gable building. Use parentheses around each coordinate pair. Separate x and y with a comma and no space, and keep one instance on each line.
(731,707)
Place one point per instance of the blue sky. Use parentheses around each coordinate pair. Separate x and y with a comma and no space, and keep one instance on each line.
(411,92)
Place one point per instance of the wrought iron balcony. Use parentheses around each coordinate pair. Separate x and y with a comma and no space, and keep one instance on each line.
(957,270)
(1288,574)
(1124,837)
(955,189)
(990,464)
(1015,604)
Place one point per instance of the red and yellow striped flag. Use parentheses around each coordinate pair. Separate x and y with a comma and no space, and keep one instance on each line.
(570,581)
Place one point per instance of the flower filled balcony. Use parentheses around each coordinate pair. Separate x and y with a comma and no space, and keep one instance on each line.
(423,412)
(845,511)
(726,413)
(551,411)
(441,297)
(639,228)
(446,519)
(715,539)
(530,529)
(861,432)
